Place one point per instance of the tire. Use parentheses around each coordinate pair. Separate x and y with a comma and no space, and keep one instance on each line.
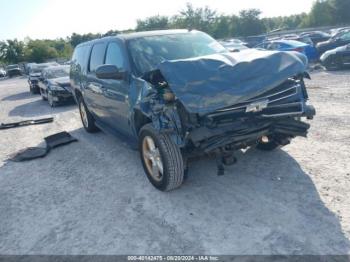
(42,95)
(268,146)
(31,90)
(50,99)
(333,63)
(168,153)
(86,117)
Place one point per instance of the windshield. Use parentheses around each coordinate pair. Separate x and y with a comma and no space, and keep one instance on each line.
(12,67)
(57,72)
(148,52)
(39,68)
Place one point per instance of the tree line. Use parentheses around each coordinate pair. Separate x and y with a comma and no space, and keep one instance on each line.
(247,22)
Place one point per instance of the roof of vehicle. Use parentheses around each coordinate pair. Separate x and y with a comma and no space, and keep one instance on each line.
(314,32)
(53,67)
(12,66)
(45,64)
(128,36)
(288,42)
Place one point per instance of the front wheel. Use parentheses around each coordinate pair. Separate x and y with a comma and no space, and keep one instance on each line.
(161,159)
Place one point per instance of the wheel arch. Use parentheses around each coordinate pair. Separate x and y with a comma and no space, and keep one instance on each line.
(139,120)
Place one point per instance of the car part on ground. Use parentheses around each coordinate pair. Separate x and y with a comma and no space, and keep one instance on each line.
(337,58)
(53,141)
(26,123)
(179,100)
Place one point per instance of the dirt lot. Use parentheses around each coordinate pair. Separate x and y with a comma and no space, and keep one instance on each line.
(92,197)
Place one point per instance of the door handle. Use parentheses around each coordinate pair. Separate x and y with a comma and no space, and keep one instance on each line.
(96,88)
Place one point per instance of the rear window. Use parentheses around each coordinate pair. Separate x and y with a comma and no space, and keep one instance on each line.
(97,56)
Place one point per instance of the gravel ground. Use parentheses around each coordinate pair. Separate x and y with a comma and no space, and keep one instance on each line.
(92,197)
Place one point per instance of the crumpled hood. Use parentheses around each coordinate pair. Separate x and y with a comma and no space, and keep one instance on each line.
(206,84)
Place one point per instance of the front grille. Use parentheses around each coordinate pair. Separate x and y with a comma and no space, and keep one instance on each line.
(281,100)
(65,85)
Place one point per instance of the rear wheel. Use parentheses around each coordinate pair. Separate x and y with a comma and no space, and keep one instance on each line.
(42,95)
(31,90)
(333,63)
(86,117)
(50,99)
(161,159)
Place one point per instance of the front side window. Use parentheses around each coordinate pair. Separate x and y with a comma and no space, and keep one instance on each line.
(97,56)
(345,36)
(114,55)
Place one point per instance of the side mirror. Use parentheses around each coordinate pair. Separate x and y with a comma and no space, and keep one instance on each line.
(110,72)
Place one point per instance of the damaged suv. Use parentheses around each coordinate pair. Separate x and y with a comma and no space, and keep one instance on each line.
(179,93)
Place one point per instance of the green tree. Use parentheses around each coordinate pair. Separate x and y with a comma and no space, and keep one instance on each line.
(76,39)
(12,51)
(250,23)
(195,18)
(322,14)
(39,51)
(341,11)
(153,23)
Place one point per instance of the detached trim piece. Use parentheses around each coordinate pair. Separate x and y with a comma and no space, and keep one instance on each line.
(53,141)
(26,123)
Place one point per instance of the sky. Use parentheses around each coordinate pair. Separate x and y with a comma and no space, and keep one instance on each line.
(51,19)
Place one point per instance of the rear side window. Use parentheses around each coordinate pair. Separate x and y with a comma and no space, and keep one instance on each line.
(97,56)
(114,55)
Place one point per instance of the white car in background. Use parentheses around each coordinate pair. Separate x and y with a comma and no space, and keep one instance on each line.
(2,72)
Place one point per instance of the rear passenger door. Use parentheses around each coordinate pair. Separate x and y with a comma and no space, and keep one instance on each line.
(93,93)
(116,91)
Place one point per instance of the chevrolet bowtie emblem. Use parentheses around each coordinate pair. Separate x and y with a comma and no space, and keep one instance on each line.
(257,106)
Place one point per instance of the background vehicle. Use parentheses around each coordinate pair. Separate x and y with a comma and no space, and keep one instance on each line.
(2,72)
(55,85)
(337,58)
(179,93)
(340,39)
(233,46)
(316,36)
(13,70)
(338,30)
(27,67)
(34,76)
(289,45)
(252,41)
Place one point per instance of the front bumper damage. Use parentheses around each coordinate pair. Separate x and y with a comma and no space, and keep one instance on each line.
(250,111)
(61,96)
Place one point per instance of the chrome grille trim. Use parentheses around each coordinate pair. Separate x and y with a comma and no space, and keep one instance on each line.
(265,97)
